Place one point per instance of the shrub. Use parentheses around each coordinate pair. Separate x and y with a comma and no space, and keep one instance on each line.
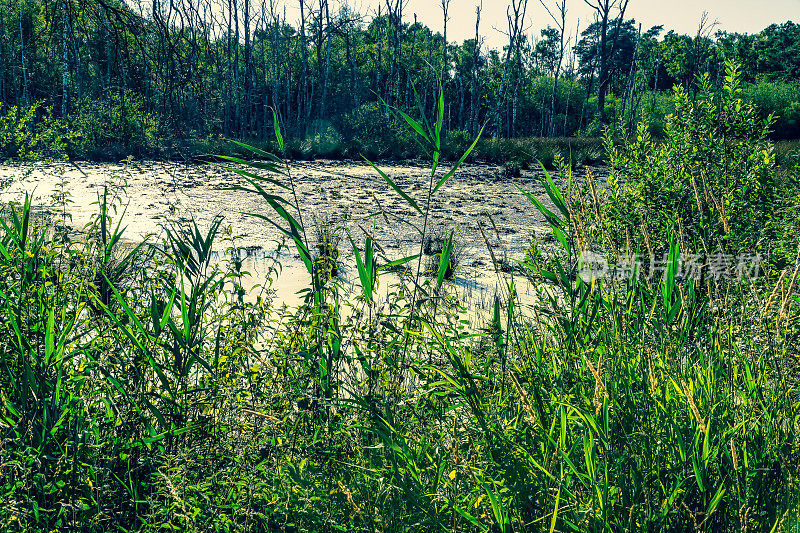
(712,179)
(373,131)
(116,127)
(511,169)
(779,99)
(438,243)
(32,133)
(326,142)
(327,239)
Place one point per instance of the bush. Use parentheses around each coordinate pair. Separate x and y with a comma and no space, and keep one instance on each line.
(117,127)
(32,133)
(779,99)
(374,132)
(712,179)
(326,142)
(534,106)
(511,169)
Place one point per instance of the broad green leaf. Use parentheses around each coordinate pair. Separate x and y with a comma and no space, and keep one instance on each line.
(394,186)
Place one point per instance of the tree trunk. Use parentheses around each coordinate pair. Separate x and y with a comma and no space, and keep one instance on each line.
(572,79)
(514,31)
(379,64)
(603,78)
(64,59)
(108,50)
(248,68)
(25,96)
(352,67)
(630,87)
(476,54)
(603,9)
(3,96)
(409,90)
(513,125)
(237,116)
(398,50)
(445,8)
(561,25)
(460,121)
(445,69)
(303,104)
(323,107)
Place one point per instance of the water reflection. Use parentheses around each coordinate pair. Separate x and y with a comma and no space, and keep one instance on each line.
(284,273)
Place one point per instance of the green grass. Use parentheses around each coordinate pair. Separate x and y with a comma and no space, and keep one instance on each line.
(142,391)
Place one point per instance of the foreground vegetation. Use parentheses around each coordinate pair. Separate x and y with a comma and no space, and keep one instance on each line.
(143,389)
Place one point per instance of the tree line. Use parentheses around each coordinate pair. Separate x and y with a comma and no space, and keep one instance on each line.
(199,68)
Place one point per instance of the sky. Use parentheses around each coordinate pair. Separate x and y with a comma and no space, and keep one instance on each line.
(683,16)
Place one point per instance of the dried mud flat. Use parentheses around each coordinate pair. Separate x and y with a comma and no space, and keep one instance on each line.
(350,192)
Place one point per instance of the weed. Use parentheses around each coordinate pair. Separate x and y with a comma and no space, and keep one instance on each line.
(661,403)
(327,238)
(440,246)
(512,169)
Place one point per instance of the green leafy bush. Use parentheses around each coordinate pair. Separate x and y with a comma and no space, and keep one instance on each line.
(511,169)
(325,142)
(712,178)
(374,131)
(32,133)
(117,127)
(780,99)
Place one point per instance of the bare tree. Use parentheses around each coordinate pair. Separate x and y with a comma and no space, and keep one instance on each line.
(476,54)
(394,12)
(2,57)
(25,97)
(413,50)
(630,87)
(324,100)
(560,22)
(248,68)
(699,49)
(445,4)
(572,77)
(515,13)
(303,108)
(607,43)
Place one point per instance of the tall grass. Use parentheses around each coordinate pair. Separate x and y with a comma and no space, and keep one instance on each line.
(140,390)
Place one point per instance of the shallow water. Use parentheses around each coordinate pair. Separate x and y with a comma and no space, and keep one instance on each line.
(351,196)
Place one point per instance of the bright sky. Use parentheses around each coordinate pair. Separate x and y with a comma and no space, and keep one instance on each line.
(743,16)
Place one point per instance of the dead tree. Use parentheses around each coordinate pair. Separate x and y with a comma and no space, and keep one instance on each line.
(324,100)
(607,43)
(25,97)
(394,12)
(572,78)
(515,13)
(630,86)
(3,96)
(476,54)
(559,19)
(303,107)
(445,4)
(64,58)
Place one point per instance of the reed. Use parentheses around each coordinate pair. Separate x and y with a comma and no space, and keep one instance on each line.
(142,392)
